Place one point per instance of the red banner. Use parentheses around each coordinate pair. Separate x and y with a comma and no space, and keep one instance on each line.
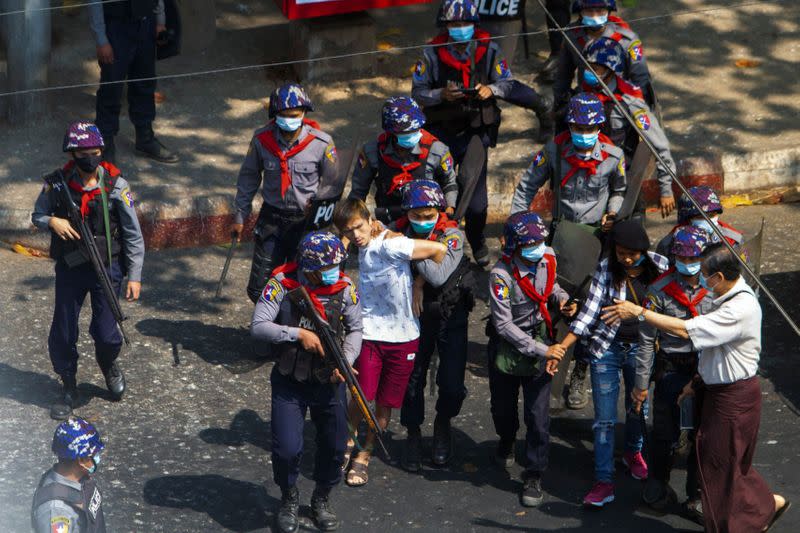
(303,9)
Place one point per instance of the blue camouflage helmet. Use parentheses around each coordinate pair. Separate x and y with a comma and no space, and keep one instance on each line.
(320,249)
(289,96)
(458,11)
(585,109)
(579,5)
(75,438)
(423,193)
(705,196)
(606,52)
(81,135)
(689,241)
(402,114)
(523,228)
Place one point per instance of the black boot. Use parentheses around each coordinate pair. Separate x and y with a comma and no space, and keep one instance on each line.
(544,112)
(547,74)
(412,458)
(481,255)
(658,495)
(321,511)
(62,408)
(149,146)
(442,441)
(577,398)
(288,519)
(115,379)
(110,150)
(531,494)
(504,455)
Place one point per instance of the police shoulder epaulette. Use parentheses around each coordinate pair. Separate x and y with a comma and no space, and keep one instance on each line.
(612,150)
(663,280)
(627,33)
(321,135)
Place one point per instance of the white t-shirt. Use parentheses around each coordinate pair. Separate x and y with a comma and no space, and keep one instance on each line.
(385,284)
(729,337)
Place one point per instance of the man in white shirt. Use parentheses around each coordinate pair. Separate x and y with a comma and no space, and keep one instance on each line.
(390,327)
(735,496)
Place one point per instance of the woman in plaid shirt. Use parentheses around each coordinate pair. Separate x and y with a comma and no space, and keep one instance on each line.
(624,273)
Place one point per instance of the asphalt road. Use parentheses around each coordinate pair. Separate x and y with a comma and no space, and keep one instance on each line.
(188,447)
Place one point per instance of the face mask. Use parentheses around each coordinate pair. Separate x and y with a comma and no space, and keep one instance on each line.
(639,261)
(289,124)
(584,141)
(687,269)
(590,78)
(422,227)
(533,253)
(88,163)
(95,461)
(329,277)
(594,22)
(704,225)
(408,140)
(462,33)
(704,283)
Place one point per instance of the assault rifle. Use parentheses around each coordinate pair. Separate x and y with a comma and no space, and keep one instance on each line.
(335,358)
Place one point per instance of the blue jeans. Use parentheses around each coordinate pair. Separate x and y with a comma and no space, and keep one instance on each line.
(605,394)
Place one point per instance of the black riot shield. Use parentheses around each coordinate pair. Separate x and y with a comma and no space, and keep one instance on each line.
(577,251)
(320,213)
(469,172)
(751,253)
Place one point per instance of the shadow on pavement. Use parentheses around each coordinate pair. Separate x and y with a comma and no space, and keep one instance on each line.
(235,505)
(247,427)
(31,388)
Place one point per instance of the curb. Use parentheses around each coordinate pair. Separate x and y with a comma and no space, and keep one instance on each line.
(204,220)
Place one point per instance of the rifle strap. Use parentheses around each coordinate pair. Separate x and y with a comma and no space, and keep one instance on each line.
(106,218)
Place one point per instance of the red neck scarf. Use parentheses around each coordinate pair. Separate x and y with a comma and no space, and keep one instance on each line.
(443,223)
(674,290)
(269,140)
(88,196)
(530,291)
(404,176)
(323,290)
(576,163)
(464,66)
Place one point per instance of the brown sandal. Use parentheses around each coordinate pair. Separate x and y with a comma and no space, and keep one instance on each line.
(357,470)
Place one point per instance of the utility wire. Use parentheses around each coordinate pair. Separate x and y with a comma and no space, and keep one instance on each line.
(53,8)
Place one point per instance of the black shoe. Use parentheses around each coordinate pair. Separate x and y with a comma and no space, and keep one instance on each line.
(481,255)
(693,509)
(323,514)
(504,455)
(531,494)
(577,397)
(657,495)
(550,66)
(62,408)
(110,150)
(442,442)
(412,457)
(288,520)
(546,121)
(115,380)
(149,146)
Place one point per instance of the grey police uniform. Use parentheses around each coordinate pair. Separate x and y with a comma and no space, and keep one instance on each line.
(282,220)
(61,505)
(635,64)
(583,198)
(439,167)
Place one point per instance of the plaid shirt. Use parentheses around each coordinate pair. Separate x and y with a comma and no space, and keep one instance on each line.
(595,334)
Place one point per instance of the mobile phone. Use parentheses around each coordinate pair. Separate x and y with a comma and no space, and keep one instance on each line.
(469,92)
(687,413)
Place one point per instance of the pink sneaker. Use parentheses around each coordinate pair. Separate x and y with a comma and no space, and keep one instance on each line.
(635,463)
(601,494)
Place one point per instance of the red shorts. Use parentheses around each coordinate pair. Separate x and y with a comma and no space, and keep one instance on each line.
(384,369)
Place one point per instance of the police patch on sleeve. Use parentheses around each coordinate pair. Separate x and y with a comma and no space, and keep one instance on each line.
(354,295)
(642,120)
(500,288)
(650,302)
(272,290)
(127,196)
(502,69)
(453,242)
(540,159)
(635,50)
(330,153)
(447,162)
(59,524)
(621,166)
(419,71)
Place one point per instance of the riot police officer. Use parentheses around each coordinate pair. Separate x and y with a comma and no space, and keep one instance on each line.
(106,201)
(672,363)
(67,499)
(301,380)
(443,298)
(294,158)
(403,152)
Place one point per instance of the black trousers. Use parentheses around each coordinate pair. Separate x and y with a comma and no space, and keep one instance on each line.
(276,240)
(134,44)
(504,390)
(450,337)
(560,9)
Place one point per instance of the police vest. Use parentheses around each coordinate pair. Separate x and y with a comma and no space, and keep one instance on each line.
(501,9)
(393,174)
(468,113)
(300,364)
(87,502)
(129,9)
(59,248)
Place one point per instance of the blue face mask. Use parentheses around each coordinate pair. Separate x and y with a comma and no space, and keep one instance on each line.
(462,33)
(704,283)
(95,461)
(687,269)
(590,78)
(639,261)
(329,277)
(408,140)
(422,227)
(288,124)
(584,141)
(533,254)
(705,226)
(594,22)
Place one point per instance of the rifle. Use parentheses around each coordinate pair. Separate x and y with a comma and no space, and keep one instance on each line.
(335,356)
(234,241)
(90,248)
